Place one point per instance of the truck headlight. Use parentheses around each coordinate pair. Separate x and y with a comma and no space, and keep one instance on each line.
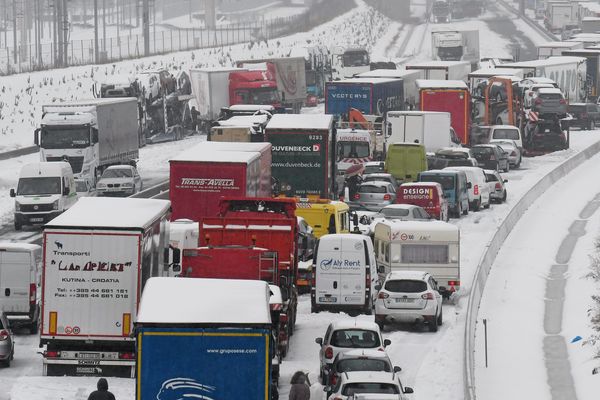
(55,205)
(17,206)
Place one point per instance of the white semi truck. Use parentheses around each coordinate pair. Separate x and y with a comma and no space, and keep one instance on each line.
(456,46)
(98,256)
(90,134)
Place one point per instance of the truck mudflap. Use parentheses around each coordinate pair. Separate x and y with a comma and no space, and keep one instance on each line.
(88,367)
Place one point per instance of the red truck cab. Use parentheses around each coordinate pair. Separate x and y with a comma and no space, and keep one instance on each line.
(254,86)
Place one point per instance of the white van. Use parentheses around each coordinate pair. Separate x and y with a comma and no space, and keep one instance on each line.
(479,192)
(344,274)
(20,269)
(44,191)
(429,246)
(507,132)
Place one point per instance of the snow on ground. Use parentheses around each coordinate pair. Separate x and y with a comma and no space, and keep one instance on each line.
(515,294)
(24,94)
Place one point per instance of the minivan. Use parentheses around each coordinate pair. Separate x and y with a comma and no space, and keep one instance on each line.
(344,274)
(428,195)
(479,191)
(506,132)
(44,191)
(455,187)
(405,160)
(20,269)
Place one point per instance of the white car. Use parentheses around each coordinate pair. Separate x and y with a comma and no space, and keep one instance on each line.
(409,297)
(356,383)
(119,180)
(506,132)
(344,335)
(403,212)
(497,185)
(511,148)
(479,193)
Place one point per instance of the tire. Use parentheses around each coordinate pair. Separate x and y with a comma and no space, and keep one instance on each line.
(33,327)
(489,203)
(477,205)
(465,211)
(504,197)
(314,309)
(592,125)
(433,325)
(518,165)
(440,318)
(507,169)
(18,226)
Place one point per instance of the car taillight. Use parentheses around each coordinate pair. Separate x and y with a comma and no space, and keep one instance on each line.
(333,379)
(357,196)
(3,334)
(52,354)
(383,295)
(427,296)
(563,101)
(329,352)
(498,186)
(32,293)
(387,196)
(127,356)
(453,283)
(476,189)
(513,153)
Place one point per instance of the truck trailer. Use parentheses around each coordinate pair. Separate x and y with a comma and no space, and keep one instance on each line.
(98,256)
(431,129)
(90,134)
(409,81)
(371,96)
(443,70)
(592,69)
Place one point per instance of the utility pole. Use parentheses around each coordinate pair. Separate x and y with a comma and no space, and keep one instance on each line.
(210,14)
(146,26)
(15,49)
(96,53)
(104,29)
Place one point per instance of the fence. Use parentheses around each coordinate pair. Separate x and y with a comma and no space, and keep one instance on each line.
(82,52)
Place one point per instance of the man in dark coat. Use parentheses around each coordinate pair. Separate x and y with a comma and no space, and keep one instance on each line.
(102,393)
(300,389)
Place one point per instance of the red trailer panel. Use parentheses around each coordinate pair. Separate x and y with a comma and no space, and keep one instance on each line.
(454,101)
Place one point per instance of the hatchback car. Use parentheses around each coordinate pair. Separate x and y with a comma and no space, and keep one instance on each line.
(7,343)
(373,167)
(585,115)
(380,176)
(496,185)
(380,383)
(306,240)
(373,195)
(549,101)
(344,335)
(119,180)
(359,360)
(409,297)
(511,149)
(491,156)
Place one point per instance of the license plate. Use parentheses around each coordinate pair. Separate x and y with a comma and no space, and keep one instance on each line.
(404,300)
(89,356)
(36,219)
(328,299)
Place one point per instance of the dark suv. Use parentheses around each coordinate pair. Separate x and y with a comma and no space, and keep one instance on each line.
(491,156)
(585,115)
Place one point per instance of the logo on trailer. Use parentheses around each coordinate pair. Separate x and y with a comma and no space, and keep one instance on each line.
(326,264)
(58,244)
(183,388)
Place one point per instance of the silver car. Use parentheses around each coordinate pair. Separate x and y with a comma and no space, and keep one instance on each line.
(511,148)
(380,176)
(7,343)
(496,185)
(119,180)
(373,195)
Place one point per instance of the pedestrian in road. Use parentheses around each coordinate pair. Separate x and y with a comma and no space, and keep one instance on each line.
(102,393)
(194,114)
(300,387)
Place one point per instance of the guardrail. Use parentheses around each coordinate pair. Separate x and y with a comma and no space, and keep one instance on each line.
(548,35)
(489,256)
(23,151)
(153,192)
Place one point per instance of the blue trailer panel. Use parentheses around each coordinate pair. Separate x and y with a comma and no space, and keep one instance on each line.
(203,363)
(372,96)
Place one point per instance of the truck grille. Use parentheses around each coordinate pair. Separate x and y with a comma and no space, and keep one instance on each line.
(36,207)
(76,162)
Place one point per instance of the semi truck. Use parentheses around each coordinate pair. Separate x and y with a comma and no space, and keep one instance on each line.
(443,70)
(550,49)
(221,350)
(98,256)
(290,76)
(349,61)
(431,129)
(560,14)
(252,238)
(202,174)
(448,96)
(302,161)
(90,134)
(409,81)
(371,96)
(592,69)
(456,46)
(590,25)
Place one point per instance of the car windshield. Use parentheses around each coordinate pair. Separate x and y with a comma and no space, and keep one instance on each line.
(117,173)
(81,186)
(511,134)
(355,338)
(264,96)
(551,96)
(491,178)
(353,149)
(459,162)
(372,189)
(363,364)
(376,178)
(373,169)
(65,137)
(482,152)
(405,286)
(394,212)
(356,58)
(38,186)
(447,181)
(370,387)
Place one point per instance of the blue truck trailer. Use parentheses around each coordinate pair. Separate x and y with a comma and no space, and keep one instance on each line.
(372,96)
(191,346)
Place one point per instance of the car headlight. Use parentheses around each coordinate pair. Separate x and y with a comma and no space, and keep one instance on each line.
(127,185)
(101,185)
(17,206)
(55,205)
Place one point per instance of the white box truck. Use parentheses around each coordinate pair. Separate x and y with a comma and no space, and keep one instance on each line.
(90,134)
(456,46)
(97,259)
(429,128)
(443,70)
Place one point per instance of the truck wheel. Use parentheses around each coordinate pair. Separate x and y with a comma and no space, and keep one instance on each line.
(368,310)
(465,211)
(314,309)
(18,226)
(33,327)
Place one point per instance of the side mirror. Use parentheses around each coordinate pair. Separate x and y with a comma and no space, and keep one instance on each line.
(387,342)
(36,136)
(469,185)
(66,191)
(94,135)
(176,268)
(378,287)
(408,390)
(327,388)
(397,369)
(506,180)
(176,254)
(13,193)
(380,269)
(442,289)
(319,341)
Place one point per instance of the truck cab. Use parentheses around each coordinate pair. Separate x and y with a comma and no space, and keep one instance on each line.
(353,147)
(254,86)
(44,191)
(347,62)
(325,216)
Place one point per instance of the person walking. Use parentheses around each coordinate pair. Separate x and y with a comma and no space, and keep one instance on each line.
(102,393)
(300,387)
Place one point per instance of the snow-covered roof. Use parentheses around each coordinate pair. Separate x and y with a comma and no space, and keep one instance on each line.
(350,323)
(86,103)
(558,45)
(489,72)
(275,297)
(364,80)
(440,84)
(371,353)
(424,184)
(301,121)
(19,246)
(233,146)
(202,154)
(377,175)
(432,226)
(370,376)
(204,301)
(406,275)
(436,64)
(107,213)
(216,69)
(549,90)
(244,120)
(504,127)
(375,183)
(388,73)
(51,168)
(251,107)
(555,60)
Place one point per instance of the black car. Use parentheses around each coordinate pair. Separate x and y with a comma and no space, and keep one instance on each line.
(585,115)
(491,156)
